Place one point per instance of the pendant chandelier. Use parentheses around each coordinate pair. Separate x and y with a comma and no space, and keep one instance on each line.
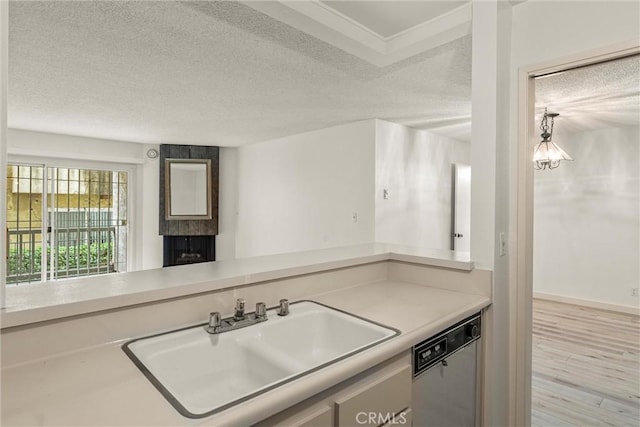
(547,154)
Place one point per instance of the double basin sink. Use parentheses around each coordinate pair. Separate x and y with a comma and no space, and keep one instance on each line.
(201,374)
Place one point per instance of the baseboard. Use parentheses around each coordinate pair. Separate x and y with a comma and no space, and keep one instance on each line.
(589,303)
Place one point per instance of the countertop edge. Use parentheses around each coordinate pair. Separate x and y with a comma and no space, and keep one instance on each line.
(115,298)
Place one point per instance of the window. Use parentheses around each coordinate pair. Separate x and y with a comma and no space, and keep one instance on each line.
(77,227)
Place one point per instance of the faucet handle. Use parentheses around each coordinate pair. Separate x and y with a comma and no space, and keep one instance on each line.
(283,310)
(215,323)
(239,312)
(261,311)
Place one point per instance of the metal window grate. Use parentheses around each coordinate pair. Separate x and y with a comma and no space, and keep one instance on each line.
(85,225)
(25,185)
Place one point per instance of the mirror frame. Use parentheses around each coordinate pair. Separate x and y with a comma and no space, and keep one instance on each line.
(167,189)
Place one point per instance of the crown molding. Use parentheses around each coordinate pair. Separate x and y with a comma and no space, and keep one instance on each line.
(327,24)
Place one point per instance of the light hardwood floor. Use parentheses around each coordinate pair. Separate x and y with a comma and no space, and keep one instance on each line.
(586,366)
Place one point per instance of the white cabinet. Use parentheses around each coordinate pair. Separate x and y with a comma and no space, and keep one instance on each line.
(321,416)
(378,396)
(403,418)
(374,403)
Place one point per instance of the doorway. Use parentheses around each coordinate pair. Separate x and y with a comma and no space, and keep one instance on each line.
(586,247)
(522,264)
(460,207)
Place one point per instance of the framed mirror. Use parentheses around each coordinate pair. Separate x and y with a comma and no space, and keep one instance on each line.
(187,189)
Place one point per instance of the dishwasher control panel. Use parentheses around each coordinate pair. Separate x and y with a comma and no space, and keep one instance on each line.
(431,351)
(427,355)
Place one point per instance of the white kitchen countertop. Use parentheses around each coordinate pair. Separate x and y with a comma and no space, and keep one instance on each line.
(47,301)
(101,386)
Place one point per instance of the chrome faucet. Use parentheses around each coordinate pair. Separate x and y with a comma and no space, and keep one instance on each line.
(283,309)
(239,314)
(261,311)
(239,320)
(215,323)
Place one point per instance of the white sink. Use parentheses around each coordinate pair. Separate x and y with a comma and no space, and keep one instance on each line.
(201,374)
(316,335)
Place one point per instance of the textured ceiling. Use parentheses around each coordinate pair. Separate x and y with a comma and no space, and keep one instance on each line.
(222,73)
(211,73)
(598,96)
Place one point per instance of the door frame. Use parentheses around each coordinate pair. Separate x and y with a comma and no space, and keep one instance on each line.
(521,271)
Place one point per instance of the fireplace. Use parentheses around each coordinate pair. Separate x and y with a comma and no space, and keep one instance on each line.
(181,250)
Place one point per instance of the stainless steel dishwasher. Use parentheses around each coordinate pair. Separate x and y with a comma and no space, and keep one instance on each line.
(445,377)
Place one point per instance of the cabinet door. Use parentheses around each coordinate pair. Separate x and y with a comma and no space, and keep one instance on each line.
(375,402)
(319,415)
(320,418)
(402,418)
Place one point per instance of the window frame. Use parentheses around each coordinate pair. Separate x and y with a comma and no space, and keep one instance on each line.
(132,207)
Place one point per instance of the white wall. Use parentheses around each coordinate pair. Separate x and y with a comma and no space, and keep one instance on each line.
(56,146)
(227,204)
(490,194)
(300,192)
(502,401)
(4,69)
(415,167)
(544,30)
(587,218)
(148,191)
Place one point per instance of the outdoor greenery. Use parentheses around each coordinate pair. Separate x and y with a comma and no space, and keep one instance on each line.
(69,257)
